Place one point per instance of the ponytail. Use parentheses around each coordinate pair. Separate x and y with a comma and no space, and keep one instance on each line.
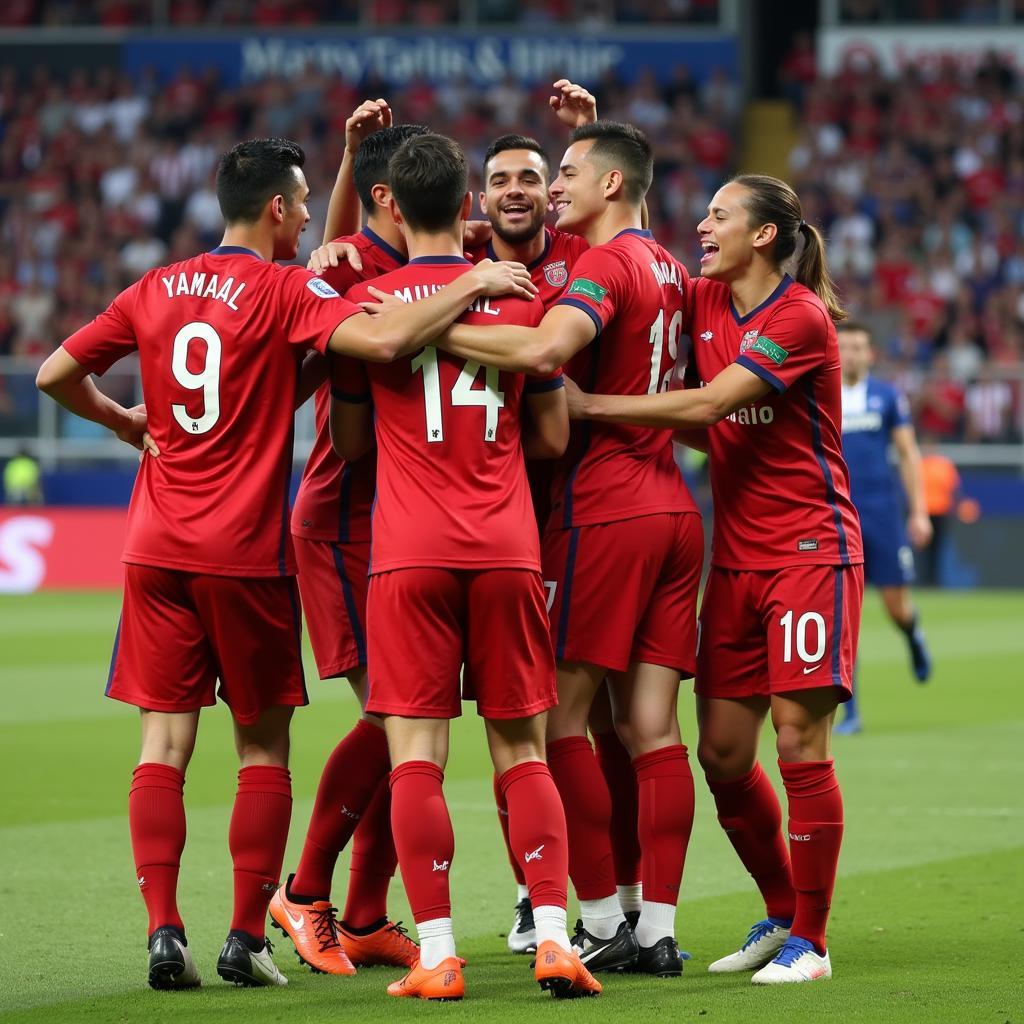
(812,271)
(772,201)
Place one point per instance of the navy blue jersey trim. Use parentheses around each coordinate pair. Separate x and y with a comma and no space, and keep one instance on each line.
(563,612)
(439,260)
(350,396)
(372,235)
(642,232)
(592,313)
(766,375)
(538,387)
(236,250)
(826,473)
(837,628)
(350,603)
(113,656)
(293,597)
(780,290)
(544,255)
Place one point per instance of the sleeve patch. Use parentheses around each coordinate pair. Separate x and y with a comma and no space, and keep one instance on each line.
(776,353)
(591,289)
(321,288)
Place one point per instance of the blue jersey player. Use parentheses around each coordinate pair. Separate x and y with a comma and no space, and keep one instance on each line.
(876,418)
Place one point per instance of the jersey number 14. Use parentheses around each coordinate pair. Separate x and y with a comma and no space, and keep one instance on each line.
(463,393)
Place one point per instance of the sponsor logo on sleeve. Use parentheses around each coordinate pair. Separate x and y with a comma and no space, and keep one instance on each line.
(321,289)
(776,353)
(591,289)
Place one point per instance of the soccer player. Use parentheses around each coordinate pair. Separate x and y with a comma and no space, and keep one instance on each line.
(330,525)
(621,512)
(209,581)
(875,416)
(455,577)
(781,610)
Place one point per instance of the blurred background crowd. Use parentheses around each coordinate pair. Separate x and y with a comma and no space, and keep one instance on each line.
(918,180)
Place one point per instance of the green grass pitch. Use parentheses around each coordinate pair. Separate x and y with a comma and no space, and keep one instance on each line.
(928,917)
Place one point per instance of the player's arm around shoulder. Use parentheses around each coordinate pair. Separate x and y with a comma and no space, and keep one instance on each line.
(351,416)
(545,426)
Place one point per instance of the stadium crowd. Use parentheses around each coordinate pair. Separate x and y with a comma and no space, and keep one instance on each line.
(918,182)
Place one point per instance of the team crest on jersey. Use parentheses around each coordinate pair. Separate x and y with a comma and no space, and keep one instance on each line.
(556,274)
(321,288)
(748,340)
(707,335)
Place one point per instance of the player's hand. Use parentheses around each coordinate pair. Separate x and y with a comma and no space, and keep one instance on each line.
(919,530)
(477,233)
(385,301)
(370,116)
(134,432)
(572,104)
(504,278)
(333,254)
(575,398)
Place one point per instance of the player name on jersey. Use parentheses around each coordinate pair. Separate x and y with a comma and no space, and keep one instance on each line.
(199,286)
(415,292)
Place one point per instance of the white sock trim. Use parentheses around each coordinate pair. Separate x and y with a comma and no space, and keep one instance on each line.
(630,896)
(602,917)
(437,941)
(551,926)
(657,920)
(522,892)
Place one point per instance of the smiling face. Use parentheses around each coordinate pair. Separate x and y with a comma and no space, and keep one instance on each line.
(516,196)
(294,217)
(578,191)
(727,237)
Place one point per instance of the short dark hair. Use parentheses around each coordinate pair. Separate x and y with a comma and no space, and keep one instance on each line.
(623,147)
(250,174)
(370,166)
(856,325)
(506,142)
(429,179)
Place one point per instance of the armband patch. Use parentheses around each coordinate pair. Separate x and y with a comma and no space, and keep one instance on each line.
(321,288)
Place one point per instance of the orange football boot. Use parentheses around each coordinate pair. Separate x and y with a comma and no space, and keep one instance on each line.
(563,974)
(443,982)
(388,946)
(313,928)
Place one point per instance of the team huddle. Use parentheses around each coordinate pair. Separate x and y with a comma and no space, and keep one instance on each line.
(491,512)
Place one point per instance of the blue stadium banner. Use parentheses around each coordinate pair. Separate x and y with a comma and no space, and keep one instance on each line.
(482,58)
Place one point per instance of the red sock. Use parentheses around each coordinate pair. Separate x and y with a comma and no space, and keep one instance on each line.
(257,837)
(617,769)
(537,830)
(373,862)
(815,835)
(749,811)
(350,778)
(588,813)
(423,837)
(666,819)
(502,805)
(156,820)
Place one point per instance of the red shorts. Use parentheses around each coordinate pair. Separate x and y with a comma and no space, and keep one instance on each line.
(333,582)
(181,631)
(625,592)
(423,624)
(773,631)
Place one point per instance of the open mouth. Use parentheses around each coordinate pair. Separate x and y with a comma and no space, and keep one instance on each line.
(517,211)
(710,249)
(561,204)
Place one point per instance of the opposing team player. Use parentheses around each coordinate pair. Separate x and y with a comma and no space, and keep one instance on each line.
(330,525)
(620,511)
(455,577)
(209,581)
(781,610)
(875,417)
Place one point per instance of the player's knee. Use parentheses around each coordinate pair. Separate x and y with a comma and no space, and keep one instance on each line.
(797,743)
(721,759)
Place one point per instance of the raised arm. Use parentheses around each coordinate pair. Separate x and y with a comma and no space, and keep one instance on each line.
(343,212)
(733,388)
(405,327)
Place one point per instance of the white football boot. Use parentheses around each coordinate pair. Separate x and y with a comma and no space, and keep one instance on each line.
(762,944)
(798,960)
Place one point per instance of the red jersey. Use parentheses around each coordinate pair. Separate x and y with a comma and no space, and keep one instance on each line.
(335,497)
(221,338)
(451,485)
(636,294)
(551,269)
(780,486)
